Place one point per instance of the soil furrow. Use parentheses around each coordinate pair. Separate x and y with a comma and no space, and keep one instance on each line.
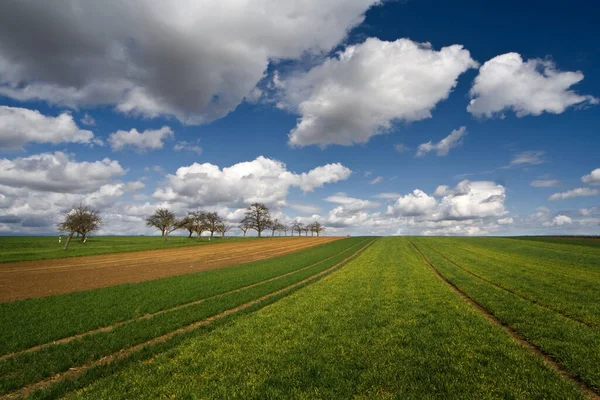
(549,308)
(589,393)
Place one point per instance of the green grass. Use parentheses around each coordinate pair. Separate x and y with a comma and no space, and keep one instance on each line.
(28,248)
(109,307)
(554,304)
(384,326)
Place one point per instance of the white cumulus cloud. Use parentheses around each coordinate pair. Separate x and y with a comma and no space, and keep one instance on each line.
(57,172)
(559,220)
(261,180)
(593,178)
(19,126)
(367,87)
(150,139)
(532,87)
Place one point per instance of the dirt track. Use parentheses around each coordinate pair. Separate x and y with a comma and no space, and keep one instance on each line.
(47,277)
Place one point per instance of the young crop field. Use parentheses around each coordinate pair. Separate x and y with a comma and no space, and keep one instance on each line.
(403,317)
(27,248)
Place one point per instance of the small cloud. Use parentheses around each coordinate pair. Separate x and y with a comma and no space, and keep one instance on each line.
(506,221)
(528,157)
(545,183)
(579,192)
(376,180)
(368,173)
(444,146)
(150,139)
(187,146)
(401,147)
(388,195)
(88,120)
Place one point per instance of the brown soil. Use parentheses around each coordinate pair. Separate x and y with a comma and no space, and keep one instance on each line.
(27,279)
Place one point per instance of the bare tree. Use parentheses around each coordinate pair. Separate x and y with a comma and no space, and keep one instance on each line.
(244,226)
(317,228)
(306,229)
(81,220)
(224,228)
(285,229)
(189,223)
(213,221)
(257,217)
(165,220)
(199,218)
(274,226)
(297,227)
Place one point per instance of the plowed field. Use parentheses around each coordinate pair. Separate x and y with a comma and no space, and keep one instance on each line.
(48,277)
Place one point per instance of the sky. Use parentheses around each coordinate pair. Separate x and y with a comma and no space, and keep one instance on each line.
(371,117)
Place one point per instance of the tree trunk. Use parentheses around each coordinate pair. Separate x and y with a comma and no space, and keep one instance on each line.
(212,234)
(222,234)
(317,233)
(66,246)
(189,237)
(245,233)
(165,235)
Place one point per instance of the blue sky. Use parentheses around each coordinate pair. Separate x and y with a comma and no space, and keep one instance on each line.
(413,117)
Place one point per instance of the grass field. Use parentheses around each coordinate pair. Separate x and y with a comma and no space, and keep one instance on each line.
(27,248)
(403,318)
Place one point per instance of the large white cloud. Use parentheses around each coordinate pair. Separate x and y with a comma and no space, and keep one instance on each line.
(415,203)
(19,126)
(367,87)
(196,61)
(593,178)
(150,139)
(261,180)
(442,148)
(57,172)
(532,87)
(468,200)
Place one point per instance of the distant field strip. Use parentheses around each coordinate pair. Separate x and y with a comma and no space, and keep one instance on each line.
(47,363)
(550,298)
(43,278)
(384,326)
(28,248)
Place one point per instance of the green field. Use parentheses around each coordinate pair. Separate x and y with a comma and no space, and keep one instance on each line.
(27,248)
(362,318)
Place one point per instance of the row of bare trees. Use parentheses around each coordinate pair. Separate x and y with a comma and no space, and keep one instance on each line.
(258,218)
(82,220)
(196,222)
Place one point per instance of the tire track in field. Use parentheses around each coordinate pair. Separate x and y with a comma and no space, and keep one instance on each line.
(76,372)
(532,301)
(109,328)
(546,358)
